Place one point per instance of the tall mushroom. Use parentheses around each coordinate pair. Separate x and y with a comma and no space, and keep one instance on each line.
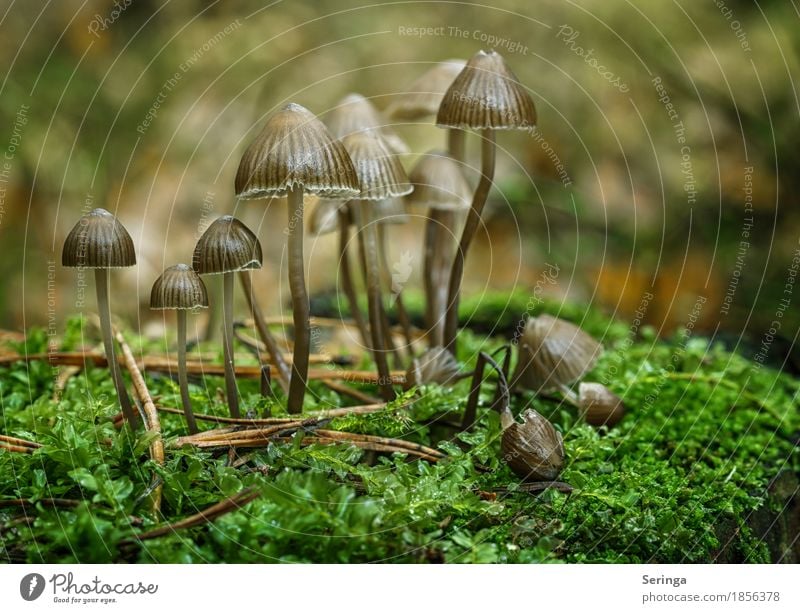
(227,247)
(485,96)
(355,113)
(181,289)
(440,186)
(380,176)
(293,155)
(101,242)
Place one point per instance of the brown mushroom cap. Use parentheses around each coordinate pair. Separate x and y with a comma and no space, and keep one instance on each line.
(599,405)
(226,246)
(98,240)
(295,149)
(553,353)
(439,183)
(436,365)
(325,216)
(380,174)
(178,287)
(355,113)
(487,95)
(424,96)
(533,449)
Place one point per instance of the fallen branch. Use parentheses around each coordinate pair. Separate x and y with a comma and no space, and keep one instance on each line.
(152,422)
(13,440)
(213,512)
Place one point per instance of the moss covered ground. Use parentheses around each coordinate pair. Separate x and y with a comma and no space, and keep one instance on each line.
(682,478)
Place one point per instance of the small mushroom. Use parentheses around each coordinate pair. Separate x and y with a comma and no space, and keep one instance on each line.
(355,113)
(227,247)
(436,365)
(440,186)
(553,354)
(533,449)
(380,176)
(101,242)
(485,96)
(181,289)
(293,155)
(598,405)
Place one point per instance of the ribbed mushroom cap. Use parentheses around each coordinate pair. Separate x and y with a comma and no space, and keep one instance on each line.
(554,352)
(599,405)
(486,94)
(436,365)
(355,113)
(295,149)
(380,174)
(179,287)
(533,449)
(390,212)
(424,96)
(325,217)
(98,240)
(226,246)
(439,183)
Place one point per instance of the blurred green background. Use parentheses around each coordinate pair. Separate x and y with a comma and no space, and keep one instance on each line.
(666,160)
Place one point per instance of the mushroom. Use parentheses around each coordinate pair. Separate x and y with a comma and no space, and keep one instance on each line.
(355,113)
(380,176)
(181,289)
(598,405)
(101,242)
(295,154)
(485,96)
(440,186)
(553,354)
(329,216)
(227,247)
(533,449)
(436,365)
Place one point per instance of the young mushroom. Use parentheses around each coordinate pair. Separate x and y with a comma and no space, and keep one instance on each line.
(380,176)
(293,155)
(553,354)
(181,289)
(100,241)
(225,248)
(440,186)
(436,365)
(533,449)
(598,405)
(355,113)
(485,96)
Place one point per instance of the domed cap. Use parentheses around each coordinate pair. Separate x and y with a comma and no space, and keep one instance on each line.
(390,212)
(355,113)
(599,405)
(98,240)
(439,183)
(533,449)
(325,217)
(436,365)
(554,352)
(226,246)
(179,287)
(486,94)
(424,96)
(380,174)
(295,149)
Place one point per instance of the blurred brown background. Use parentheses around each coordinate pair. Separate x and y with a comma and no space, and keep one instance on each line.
(666,159)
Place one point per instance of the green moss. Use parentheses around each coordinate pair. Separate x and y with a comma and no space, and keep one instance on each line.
(705,433)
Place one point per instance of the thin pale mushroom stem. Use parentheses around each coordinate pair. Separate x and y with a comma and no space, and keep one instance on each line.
(456,141)
(183,379)
(468,233)
(101,276)
(284,372)
(402,314)
(370,244)
(300,305)
(227,342)
(347,278)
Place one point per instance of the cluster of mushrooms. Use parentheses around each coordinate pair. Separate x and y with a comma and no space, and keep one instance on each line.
(352,170)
